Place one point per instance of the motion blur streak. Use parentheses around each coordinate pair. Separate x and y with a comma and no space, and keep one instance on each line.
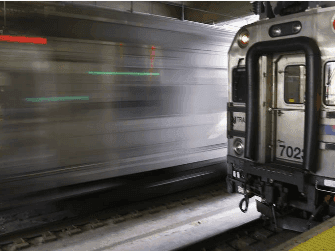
(82,108)
(219,129)
(27,40)
(123,73)
(58,99)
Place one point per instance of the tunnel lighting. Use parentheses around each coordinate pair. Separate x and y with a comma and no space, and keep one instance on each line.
(123,73)
(25,40)
(243,38)
(53,99)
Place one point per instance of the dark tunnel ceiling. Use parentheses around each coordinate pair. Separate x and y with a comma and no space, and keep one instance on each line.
(205,12)
(211,12)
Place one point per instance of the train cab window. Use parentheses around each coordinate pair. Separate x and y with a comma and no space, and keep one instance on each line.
(329,84)
(239,85)
(294,84)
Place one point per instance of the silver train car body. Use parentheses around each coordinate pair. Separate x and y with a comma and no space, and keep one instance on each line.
(84,107)
(281,136)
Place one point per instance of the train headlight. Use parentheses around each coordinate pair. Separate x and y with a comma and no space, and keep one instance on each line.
(243,38)
(276,31)
(238,147)
(285,29)
(296,27)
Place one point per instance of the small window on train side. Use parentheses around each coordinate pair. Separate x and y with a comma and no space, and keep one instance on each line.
(294,84)
(239,85)
(329,93)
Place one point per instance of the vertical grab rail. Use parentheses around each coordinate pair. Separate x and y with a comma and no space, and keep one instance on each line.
(313,96)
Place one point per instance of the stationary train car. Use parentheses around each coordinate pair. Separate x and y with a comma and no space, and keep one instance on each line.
(106,94)
(281,136)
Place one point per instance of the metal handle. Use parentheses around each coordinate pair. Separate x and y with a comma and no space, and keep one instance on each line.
(285,109)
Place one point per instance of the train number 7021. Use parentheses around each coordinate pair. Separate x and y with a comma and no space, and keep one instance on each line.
(290,152)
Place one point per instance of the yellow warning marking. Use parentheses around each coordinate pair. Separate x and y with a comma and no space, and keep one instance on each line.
(291,100)
(324,241)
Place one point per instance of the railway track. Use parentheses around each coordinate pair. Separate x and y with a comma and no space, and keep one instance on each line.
(68,222)
(24,228)
(253,236)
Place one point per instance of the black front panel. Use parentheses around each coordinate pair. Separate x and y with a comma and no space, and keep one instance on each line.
(276,172)
(239,85)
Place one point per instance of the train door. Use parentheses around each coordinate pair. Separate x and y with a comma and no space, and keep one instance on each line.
(289,110)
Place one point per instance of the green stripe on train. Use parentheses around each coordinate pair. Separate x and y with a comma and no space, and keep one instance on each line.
(55,99)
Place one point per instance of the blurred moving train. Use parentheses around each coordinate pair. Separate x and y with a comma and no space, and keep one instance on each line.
(281,113)
(110,94)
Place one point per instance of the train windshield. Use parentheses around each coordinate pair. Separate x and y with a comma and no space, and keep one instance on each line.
(294,84)
(239,85)
(330,83)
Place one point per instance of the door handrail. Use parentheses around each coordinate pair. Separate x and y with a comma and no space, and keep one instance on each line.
(313,93)
(286,109)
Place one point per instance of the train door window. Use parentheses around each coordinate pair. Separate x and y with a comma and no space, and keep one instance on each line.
(239,85)
(329,96)
(294,84)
